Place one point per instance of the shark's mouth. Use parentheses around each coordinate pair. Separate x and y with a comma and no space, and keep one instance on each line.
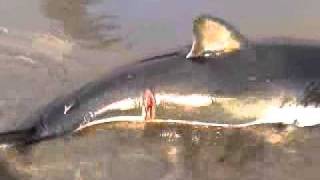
(206,110)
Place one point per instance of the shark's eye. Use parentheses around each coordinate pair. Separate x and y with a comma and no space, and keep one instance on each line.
(212,37)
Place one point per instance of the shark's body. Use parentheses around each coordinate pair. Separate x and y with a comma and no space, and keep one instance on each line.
(254,71)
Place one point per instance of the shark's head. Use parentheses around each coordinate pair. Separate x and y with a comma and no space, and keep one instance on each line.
(213,37)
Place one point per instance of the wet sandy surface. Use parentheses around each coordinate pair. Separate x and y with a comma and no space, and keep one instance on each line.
(51,47)
(162,151)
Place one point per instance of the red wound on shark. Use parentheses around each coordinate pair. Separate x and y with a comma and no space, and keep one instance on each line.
(149,105)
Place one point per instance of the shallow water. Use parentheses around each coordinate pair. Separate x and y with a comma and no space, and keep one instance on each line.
(51,47)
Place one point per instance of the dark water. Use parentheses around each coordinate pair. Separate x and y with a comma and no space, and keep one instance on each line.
(54,46)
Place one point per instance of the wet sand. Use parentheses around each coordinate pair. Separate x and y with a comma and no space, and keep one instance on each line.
(164,151)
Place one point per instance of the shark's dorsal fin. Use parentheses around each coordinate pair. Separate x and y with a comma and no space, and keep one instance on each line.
(214,35)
